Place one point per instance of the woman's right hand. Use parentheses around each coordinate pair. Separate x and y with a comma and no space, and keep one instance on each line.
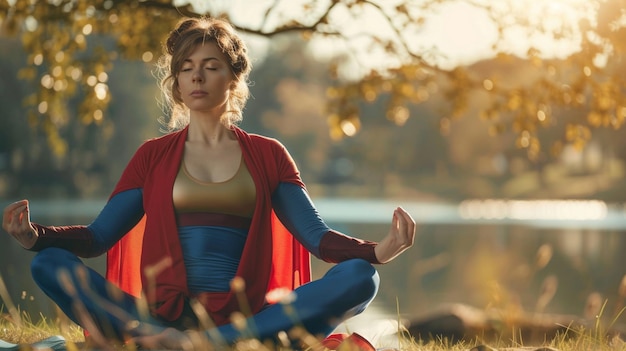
(16,222)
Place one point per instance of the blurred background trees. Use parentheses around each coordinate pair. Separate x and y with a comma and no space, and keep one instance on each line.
(545,86)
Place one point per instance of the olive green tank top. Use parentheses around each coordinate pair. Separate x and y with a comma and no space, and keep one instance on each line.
(235,196)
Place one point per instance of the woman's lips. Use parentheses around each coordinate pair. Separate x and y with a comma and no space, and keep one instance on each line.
(198,93)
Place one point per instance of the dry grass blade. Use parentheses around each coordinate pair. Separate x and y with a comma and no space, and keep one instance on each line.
(13,312)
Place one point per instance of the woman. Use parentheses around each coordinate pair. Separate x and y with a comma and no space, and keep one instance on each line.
(202,208)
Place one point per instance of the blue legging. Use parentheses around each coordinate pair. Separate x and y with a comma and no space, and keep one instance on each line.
(319,306)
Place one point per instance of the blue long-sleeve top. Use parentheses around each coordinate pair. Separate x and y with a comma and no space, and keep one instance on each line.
(291,204)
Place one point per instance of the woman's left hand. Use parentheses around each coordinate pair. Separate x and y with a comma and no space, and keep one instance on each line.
(400,237)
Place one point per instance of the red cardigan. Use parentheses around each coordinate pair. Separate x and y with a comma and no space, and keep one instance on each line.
(149,259)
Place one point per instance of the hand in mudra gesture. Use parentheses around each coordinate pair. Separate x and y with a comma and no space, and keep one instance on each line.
(16,222)
(400,237)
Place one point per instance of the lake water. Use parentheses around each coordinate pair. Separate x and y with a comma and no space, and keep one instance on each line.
(536,255)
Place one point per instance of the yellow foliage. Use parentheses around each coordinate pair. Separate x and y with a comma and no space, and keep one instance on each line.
(56,38)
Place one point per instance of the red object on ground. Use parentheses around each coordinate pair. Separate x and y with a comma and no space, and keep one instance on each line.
(353,341)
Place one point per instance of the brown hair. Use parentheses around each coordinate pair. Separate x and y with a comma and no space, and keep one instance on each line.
(188,34)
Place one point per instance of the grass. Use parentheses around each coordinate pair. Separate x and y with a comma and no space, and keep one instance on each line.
(18,327)
(26,331)
(23,330)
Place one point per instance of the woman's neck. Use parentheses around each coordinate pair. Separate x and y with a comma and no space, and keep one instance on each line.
(208,130)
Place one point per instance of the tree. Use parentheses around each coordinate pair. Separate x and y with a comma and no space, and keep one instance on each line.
(56,34)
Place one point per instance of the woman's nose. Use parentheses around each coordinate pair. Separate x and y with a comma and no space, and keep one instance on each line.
(197,76)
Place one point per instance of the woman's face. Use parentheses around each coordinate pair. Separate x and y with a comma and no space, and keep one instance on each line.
(205,79)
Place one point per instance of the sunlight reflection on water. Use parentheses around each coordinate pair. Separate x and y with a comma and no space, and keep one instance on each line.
(544,213)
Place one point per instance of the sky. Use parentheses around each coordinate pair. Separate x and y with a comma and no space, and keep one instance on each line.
(459,32)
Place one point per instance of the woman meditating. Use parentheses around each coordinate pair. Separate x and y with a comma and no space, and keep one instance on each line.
(206,223)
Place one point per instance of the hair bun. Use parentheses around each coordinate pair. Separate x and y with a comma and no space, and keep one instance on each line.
(174,36)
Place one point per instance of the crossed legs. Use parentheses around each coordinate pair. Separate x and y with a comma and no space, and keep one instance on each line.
(92,302)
